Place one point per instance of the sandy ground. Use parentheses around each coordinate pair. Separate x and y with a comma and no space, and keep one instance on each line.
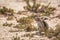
(4,31)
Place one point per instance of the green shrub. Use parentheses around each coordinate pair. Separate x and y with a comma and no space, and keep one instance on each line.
(19,12)
(25,23)
(57,30)
(20,26)
(26,27)
(5,10)
(11,11)
(16,38)
(50,33)
(9,18)
(32,8)
(6,24)
(45,10)
(25,20)
(30,28)
(54,33)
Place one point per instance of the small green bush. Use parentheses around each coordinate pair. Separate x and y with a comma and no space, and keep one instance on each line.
(26,27)
(47,10)
(25,20)
(32,8)
(50,33)
(6,24)
(30,28)
(9,18)
(54,33)
(25,23)
(20,26)
(4,10)
(16,38)
(19,12)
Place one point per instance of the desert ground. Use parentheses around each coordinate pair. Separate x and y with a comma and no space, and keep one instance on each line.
(9,32)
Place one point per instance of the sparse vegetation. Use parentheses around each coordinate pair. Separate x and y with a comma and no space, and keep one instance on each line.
(50,33)
(54,33)
(30,28)
(19,12)
(46,10)
(16,38)
(25,23)
(4,10)
(33,8)
(6,24)
(20,26)
(9,18)
(25,20)
(26,27)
